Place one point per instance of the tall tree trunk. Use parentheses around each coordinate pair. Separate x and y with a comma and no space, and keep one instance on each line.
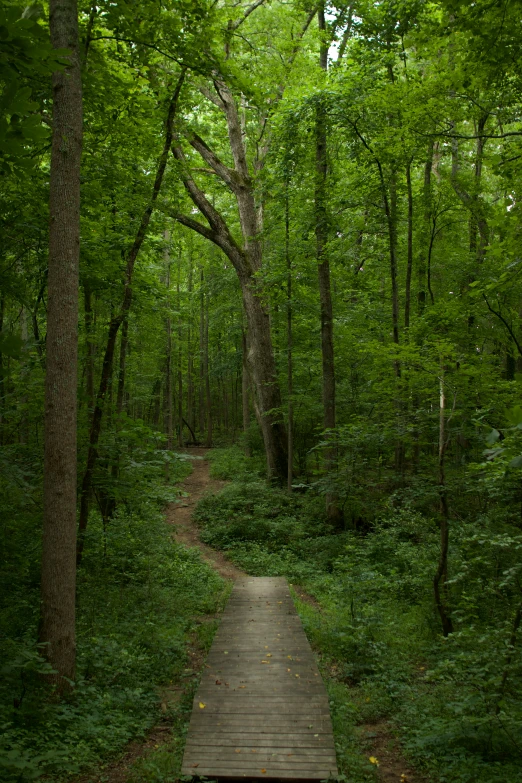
(323,265)
(247,261)
(201,356)
(124,347)
(289,345)
(191,419)
(208,398)
(2,384)
(409,266)
(57,628)
(441,575)
(169,408)
(117,320)
(426,243)
(180,359)
(244,395)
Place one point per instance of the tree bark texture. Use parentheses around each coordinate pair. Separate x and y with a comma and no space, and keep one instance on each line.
(57,629)
(409,265)
(289,345)
(247,261)
(244,395)
(441,575)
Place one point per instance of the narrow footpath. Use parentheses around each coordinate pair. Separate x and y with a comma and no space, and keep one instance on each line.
(179,514)
(392,766)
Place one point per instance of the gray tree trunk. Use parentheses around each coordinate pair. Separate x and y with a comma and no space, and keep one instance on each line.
(57,629)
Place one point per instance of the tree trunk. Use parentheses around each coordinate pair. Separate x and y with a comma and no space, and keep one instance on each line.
(169,412)
(323,264)
(2,385)
(244,396)
(208,399)
(409,266)
(247,261)
(180,360)
(190,358)
(57,629)
(201,356)
(426,243)
(289,345)
(441,575)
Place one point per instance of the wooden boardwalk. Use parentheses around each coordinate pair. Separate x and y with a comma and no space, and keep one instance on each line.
(261,710)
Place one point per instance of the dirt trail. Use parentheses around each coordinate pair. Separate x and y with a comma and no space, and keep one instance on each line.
(377,738)
(179,515)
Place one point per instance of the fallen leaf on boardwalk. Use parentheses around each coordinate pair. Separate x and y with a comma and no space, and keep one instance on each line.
(279,602)
(201,705)
(226,652)
(266,646)
(242,686)
(218,682)
(269,655)
(195,765)
(237,750)
(263,771)
(289,656)
(297,675)
(264,661)
(316,735)
(289,670)
(253,751)
(310,726)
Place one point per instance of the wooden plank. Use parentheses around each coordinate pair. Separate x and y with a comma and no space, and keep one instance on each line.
(266,712)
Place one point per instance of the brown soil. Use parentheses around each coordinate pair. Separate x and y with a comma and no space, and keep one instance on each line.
(179,515)
(377,738)
(382,746)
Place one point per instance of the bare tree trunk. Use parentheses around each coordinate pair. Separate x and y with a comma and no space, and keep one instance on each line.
(191,419)
(289,344)
(124,346)
(427,231)
(180,359)
(57,629)
(441,575)
(2,384)
(325,295)
(169,412)
(201,356)
(208,399)
(409,266)
(247,261)
(244,395)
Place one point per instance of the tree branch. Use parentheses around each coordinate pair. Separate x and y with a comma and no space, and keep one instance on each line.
(229,176)
(508,327)
(249,10)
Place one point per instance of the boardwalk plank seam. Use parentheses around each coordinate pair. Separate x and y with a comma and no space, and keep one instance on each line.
(261,710)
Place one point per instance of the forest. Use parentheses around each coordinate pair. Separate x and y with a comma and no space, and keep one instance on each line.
(279,239)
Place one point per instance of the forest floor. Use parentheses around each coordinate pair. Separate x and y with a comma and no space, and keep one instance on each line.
(377,738)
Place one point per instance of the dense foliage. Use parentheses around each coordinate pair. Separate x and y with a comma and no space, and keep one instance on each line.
(455,703)
(300,233)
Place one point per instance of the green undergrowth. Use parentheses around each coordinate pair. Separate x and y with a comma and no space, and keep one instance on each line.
(138,596)
(455,705)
